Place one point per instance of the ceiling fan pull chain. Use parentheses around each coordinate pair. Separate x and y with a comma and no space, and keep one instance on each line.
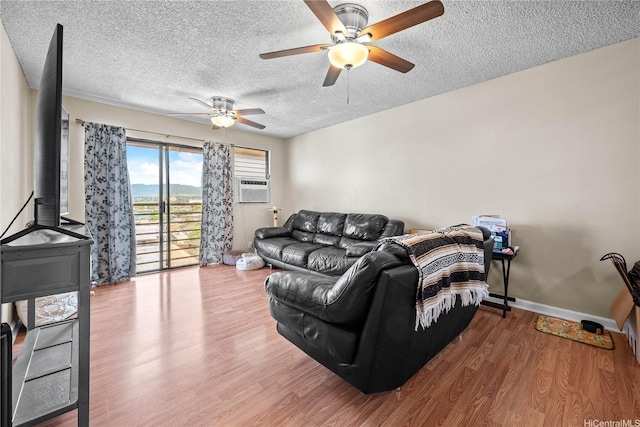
(348,92)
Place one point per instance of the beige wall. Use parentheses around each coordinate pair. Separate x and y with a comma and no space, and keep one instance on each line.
(16,173)
(247,217)
(554,149)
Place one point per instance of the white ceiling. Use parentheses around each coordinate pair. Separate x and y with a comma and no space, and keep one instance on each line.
(153,55)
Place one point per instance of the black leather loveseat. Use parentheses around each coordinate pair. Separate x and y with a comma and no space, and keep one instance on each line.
(362,325)
(327,243)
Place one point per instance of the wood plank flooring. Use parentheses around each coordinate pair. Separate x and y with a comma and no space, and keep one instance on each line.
(198,347)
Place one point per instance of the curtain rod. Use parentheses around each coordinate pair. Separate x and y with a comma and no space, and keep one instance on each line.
(166,135)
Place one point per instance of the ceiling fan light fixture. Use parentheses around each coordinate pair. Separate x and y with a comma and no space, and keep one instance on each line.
(222,121)
(348,54)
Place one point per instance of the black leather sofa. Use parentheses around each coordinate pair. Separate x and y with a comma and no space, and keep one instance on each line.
(327,243)
(361,325)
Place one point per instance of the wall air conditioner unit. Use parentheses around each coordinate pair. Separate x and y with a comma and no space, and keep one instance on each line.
(252,190)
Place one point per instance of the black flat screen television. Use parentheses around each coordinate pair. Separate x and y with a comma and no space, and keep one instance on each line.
(50,148)
(48,137)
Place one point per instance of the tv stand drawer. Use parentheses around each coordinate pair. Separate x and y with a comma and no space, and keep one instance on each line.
(29,274)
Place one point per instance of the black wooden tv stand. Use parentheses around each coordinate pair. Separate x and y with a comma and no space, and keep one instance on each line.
(51,373)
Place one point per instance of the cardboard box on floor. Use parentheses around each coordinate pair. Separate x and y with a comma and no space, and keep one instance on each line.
(627,314)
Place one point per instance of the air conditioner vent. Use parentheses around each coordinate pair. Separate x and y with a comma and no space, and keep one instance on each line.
(251,190)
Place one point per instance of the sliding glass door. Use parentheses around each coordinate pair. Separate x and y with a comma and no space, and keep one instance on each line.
(167,202)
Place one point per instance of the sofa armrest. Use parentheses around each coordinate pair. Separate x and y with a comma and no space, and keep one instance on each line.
(300,290)
(359,249)
(342,300)
(269,232)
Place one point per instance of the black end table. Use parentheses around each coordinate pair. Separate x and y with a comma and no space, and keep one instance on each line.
(502,257)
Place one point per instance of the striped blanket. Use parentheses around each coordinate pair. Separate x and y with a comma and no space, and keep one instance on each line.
(450,262)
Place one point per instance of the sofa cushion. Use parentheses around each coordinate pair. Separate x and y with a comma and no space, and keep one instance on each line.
(360,248)
(329,228)
(273,247)
(331,223)
(302,236)
(326,239)
(329,260)
(306,221)
(393,227)
(298,253)
(358,227)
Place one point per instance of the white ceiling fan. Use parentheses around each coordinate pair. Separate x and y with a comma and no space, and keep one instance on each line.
(222,113)
(351,36)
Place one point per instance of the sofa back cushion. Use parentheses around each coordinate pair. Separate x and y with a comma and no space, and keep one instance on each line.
(304,225)
(362,227)
(394,227)
(329,228)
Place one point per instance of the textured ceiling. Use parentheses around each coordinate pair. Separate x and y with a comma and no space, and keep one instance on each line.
(153,55)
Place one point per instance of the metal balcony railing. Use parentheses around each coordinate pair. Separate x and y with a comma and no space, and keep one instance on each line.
(168,240)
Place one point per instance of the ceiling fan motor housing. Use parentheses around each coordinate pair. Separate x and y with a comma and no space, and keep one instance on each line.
(222,104)
(353,16)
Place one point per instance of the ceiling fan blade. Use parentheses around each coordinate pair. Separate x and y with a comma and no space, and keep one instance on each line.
(248,111)
(190,114)
(202,103)
(332,76)
(404,20)
(324,12)
(249,123)
(294,51)
(390,60)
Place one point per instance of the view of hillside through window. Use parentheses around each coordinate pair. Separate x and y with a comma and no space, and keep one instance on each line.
(167,201)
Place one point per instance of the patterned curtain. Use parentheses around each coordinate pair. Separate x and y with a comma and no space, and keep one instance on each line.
(108,206)
(217,203)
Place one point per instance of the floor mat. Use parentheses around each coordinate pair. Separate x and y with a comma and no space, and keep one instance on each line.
(573,331)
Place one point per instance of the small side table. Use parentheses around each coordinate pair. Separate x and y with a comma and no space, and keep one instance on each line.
(502,257)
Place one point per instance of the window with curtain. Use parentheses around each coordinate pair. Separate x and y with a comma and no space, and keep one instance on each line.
(108,207)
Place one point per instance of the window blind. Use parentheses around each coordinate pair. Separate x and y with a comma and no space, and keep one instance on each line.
(251,163)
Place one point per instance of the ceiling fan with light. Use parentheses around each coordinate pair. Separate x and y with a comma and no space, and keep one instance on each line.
(350,35)
(223,115)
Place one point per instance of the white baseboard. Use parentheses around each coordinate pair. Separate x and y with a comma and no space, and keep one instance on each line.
(561,313)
